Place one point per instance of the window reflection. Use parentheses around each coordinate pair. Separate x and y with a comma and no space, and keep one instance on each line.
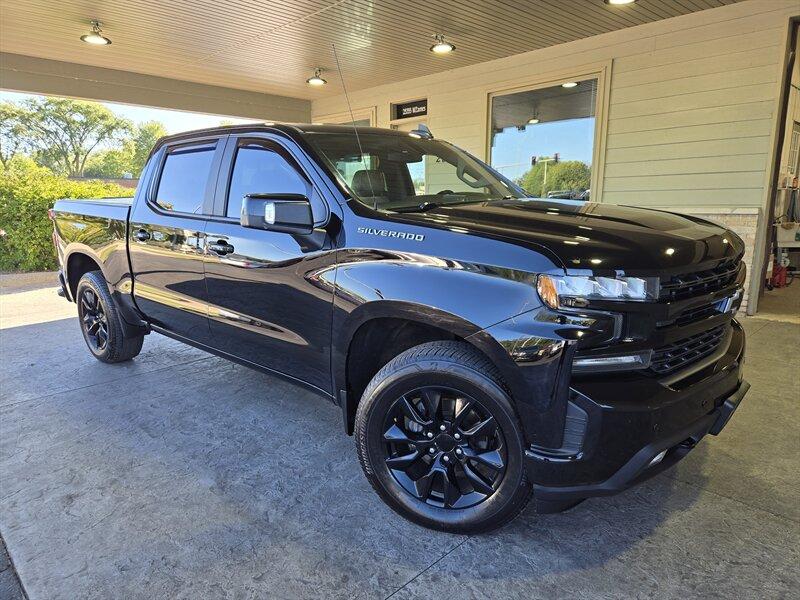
(183,179)
(259,170)
(543,139)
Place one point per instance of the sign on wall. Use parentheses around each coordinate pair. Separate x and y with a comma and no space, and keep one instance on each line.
(407,110)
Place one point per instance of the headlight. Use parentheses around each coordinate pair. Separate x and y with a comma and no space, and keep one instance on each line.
(575,291)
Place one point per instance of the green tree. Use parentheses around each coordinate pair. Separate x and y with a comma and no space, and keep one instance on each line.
(130,157)
(110,164)
(147,134)
(65,132)
(565,175)
(14,134)
(532,180)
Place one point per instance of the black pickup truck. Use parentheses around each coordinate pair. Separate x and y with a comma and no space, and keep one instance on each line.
(484,347)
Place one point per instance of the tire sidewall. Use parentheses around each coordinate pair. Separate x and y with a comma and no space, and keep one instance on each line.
(433,372)
(88,281)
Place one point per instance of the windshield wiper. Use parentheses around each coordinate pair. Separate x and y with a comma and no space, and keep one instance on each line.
(424,207)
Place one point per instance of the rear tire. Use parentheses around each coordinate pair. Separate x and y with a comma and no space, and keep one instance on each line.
(440,442)
(101,323)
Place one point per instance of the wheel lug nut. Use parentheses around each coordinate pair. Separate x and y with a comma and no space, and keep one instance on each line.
(458,450)
(446,458)
(457,436)
(429,434)
(432,450)
(442,427)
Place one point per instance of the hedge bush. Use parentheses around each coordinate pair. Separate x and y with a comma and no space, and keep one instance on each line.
(27,191)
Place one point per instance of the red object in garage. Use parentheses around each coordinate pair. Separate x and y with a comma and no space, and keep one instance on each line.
(778,279)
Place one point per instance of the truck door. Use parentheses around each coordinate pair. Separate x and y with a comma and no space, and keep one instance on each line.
(167,237)
(268,304)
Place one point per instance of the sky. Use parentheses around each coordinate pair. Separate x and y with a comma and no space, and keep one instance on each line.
(175,121)
(512,149)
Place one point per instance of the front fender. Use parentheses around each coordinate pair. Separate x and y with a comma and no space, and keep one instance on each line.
(461,298)
(476,293)
(496,310)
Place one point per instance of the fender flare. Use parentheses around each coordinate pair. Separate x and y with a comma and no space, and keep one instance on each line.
(77,248)
(479,338)
(132,321)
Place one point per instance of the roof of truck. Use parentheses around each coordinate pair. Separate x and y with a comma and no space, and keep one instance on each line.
(291,129)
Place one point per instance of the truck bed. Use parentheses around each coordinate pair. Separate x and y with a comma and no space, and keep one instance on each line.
(108,207)
(96,228)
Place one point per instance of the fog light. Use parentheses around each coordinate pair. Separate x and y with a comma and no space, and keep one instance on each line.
(620,362)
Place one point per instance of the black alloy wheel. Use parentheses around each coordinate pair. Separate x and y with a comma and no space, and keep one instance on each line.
(444,447)
(440,441)
(108,339)
(93,319)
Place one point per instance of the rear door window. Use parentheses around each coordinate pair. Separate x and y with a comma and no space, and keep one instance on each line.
(184,178)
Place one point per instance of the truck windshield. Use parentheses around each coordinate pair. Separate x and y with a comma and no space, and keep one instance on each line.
(397,173)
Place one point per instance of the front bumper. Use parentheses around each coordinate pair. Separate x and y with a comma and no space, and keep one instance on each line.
(625,428)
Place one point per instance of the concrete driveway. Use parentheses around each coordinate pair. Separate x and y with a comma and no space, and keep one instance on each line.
(180,475)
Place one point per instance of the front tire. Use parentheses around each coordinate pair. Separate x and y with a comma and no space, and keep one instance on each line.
(440,442)
(100,322)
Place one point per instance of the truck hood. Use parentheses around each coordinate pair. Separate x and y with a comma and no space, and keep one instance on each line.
(588,235)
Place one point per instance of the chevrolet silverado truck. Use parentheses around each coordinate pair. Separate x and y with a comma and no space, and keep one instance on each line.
(484,347)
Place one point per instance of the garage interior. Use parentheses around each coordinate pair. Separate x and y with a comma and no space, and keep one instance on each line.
(114,481)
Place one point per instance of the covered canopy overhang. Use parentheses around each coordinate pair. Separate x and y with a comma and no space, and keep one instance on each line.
(252,59)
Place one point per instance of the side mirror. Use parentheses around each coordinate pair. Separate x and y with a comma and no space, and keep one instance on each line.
(287,213)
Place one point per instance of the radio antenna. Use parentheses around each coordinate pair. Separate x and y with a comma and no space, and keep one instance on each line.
(355,129)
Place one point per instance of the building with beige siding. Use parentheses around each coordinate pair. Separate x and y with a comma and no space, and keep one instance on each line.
(686,110)
(680,105)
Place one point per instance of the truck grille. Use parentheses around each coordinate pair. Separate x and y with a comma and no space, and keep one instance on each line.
(688,285)
(682,353)
(690,315)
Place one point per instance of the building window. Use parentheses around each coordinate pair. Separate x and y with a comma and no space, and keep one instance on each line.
(544,138)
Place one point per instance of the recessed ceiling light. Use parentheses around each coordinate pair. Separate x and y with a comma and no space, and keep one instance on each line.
(316,79)
(619,2)
(441,46)
(569,84)
(533,120)
(96,37)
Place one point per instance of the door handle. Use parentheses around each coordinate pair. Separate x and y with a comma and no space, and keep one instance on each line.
(220,247)
(142,235)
